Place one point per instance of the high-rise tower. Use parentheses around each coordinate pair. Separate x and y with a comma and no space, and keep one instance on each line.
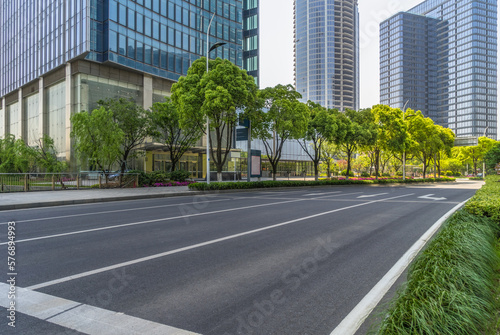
(441,57)
(327,52)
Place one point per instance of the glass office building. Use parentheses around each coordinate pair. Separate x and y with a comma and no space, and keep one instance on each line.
(327,52)
(59,57)
(441,57)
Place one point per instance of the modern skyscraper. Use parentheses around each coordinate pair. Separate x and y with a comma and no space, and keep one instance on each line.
(59,57)
(327,52)
(441,58)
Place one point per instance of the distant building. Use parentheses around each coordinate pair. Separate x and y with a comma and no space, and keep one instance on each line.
(441,58)
(60,57)
(326,52)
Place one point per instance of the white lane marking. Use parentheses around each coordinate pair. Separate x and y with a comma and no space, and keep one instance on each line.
(150,221)
(116,211)
(171,252)
(357,316)
(371,195)
(81,317)
(313,194)
(429,197)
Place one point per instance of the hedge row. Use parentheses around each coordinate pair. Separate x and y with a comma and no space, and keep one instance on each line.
(450,285)
(486,201)
(297,183)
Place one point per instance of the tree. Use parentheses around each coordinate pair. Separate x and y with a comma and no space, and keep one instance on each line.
(427,139)
(217,94)
(97,138)
(475,153)
(492,157)
(15,155)
(134,123)
(166,129)
(390,132)
(321,126)
(356,129)
(285,119)
(46,158)
(329,151)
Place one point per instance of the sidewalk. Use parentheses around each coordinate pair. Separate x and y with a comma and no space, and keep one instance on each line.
(19,200)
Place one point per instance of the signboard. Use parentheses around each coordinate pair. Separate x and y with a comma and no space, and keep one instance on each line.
(256,164)
(242,134)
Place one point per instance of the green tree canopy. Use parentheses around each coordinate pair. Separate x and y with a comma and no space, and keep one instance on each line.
(356,129)
(134,123)
(476,153)
(321,127)
(98,138)
(217,95)
(166,129)
(286,118)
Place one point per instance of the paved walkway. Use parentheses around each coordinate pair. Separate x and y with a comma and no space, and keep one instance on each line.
(17,200)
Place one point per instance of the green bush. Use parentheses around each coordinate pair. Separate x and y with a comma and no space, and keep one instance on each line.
(143,177)
(449,173)
(385,174)
(344,173)
(179,175)
(486,201)
(365,174)
(450,285)
(297,183)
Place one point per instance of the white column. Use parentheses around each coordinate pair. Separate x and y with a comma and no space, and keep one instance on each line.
(21,117)
(147,91)
(3,119)
(68,88)
(42,117)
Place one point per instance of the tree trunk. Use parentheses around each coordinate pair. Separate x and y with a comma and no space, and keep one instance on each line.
(377,157)
(316,171)
(348,164)
(219,176)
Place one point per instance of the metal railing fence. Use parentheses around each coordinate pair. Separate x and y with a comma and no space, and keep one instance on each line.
(24,182)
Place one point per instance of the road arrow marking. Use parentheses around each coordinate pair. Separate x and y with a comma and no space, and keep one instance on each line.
(429,197)
(371,195)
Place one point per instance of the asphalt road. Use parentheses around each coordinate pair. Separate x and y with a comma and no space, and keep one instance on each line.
(261,262)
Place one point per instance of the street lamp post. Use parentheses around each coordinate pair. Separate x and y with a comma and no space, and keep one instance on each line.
(215,46)
(404,143)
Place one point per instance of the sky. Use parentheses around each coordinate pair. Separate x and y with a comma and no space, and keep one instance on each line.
(276,43)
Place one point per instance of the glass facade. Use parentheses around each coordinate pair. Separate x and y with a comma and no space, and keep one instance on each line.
(39,36)
(408,74)
(62,56)
(251,38)
(465,81)
(164,37)
(327,52)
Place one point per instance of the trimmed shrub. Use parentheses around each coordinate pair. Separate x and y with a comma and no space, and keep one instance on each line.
(297,183)
(344,173)
(486,201)
(365,174)
(179,175)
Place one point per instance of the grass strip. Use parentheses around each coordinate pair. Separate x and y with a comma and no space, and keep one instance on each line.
(298,183)
(449,287)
